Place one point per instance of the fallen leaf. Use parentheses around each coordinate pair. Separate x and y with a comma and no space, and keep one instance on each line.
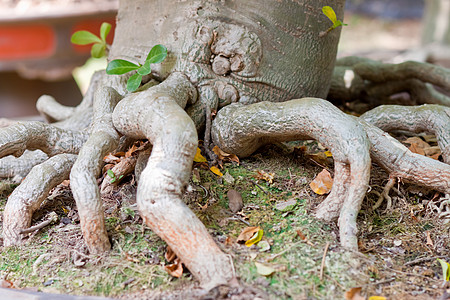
(445,269)
(263,269)
(199,157)
(263,175)
(264,246)
(6,284)
(175,269)
(170,255)
(323,183)
(429,240)
(111,159)
(235,202)
(417,145)
(328,154)
(255,238)
(216,171)
(354,294)
(286,205)
(225,156)
(247,233)
(377,298)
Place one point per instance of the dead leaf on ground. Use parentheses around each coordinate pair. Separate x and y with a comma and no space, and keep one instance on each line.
(377,298)
(264,269)
(235,202)
(170,255)
(225,156)
(323,183)
(255,239)
(199,157)
(417,145)
(354,294)
(175,269)
(247,234)
(263,175)
(216,171)
(6,284)
(429,240)
(111,159)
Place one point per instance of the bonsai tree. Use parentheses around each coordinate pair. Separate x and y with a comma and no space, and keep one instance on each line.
(265,66)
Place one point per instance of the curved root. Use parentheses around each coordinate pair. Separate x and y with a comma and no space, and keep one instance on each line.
(399,162)
(242,129)
(160,118)
(27,197)
(83,178)
(33,135)
(426,118)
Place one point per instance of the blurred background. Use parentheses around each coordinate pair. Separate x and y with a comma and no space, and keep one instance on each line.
(36,56)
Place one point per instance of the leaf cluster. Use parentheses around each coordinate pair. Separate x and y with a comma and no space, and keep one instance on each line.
(120,66)
(84,37)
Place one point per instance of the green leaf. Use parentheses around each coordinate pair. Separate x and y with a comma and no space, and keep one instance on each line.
(84,37)
(110,173)
(339,23)
(329,12)
(134,82)
(98,50)
(445,269)
(157,54)
(104,30)
(145,69)
(120,66)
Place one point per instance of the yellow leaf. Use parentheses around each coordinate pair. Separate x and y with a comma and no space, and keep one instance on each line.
(247,233)
(329,12)
(263,269)
(377,298)
(255,238)
(323,183)
(328,154)
(216,171)
(199,157)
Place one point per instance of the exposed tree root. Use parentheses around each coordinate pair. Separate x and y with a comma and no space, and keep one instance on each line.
(160,118)
(434,119)
(243,129)
(83,178)
(27,197)
(376,83)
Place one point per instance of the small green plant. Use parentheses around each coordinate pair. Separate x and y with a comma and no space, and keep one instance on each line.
(111,174)
(99,46)
(329,12)
(120,66)
(445,269)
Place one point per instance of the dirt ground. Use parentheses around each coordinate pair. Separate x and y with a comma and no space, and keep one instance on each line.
(300,256)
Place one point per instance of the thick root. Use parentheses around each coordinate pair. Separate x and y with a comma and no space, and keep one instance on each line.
(27,197)
(159,116)
(399,162)
(375,83)
(21,136)
(18,167)
(434,119)
(242,129)
(83,178)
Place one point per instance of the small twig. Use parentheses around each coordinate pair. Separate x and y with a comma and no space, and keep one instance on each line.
(322,265)
(236,217)
(423,259)
(260,187)
(53,217)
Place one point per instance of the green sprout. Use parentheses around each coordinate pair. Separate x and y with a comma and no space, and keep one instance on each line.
(120,66)
(445,269)
(99,46)
(329,12)
(111,174)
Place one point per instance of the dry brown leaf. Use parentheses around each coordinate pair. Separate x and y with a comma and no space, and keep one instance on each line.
(247,233)
(6,284)
(225,156)
(170,255)
(417,145)
(175,269)
(323,183)
(263,175)
(111,159)
(429,240)
(354,294)
(235,202)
